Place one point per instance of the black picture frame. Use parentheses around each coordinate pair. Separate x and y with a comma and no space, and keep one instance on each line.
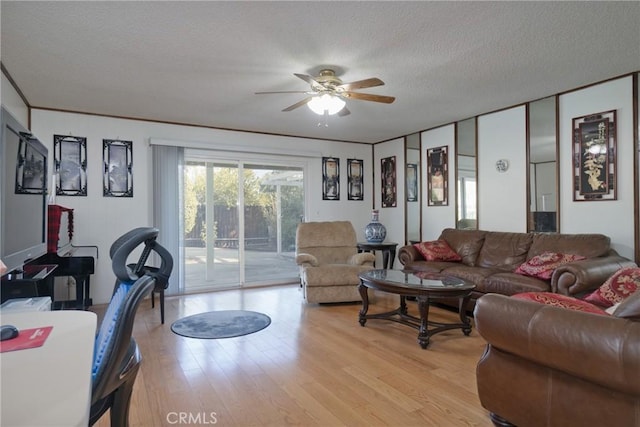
(412,182)
(70,162)
(437,176)
(355,173)
(31,167)
(330,178)
(389,188)
(118,168)
(595,157)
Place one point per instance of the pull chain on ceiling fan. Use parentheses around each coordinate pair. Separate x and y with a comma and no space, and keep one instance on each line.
(328,94)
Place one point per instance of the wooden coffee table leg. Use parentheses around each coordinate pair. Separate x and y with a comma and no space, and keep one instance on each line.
(403,305)
(423,334)
(365,303)
(462,308)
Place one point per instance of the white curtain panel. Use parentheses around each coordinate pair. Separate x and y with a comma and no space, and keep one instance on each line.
(168,163)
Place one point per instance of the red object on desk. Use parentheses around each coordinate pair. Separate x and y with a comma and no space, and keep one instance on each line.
(28,338)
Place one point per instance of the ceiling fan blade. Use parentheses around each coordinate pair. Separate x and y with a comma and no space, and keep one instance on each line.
(285,91)
(298,104)
(344,112)
(369,97)
(361,84)
(316,85)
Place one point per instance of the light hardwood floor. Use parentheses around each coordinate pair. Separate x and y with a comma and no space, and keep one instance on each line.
(313,366)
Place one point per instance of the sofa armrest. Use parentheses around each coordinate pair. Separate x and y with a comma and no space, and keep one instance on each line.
(363,258)
(580,277)
(408,254)
(597,348)
(306,260)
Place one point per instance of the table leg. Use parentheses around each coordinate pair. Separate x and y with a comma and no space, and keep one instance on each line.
(392,257)
(423,334)
(403,305)
(385,258)
(462,308)
(365,303)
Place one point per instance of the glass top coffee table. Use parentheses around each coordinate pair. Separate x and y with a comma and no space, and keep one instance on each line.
(424,287)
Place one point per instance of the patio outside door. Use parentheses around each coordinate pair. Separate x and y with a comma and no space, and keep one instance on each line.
(240,221)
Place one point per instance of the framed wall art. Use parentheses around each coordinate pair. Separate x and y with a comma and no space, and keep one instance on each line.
(354,178)
(31,166)
(70,161)
(330,178)
(117,158)
(412,182)
(437,176)
(388,171)
(594,157)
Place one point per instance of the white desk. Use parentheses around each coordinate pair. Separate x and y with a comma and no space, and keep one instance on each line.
(49,385)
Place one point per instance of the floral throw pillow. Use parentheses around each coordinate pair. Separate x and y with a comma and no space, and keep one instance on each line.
(437,250)
(562,301)
(616,288)
(542,266)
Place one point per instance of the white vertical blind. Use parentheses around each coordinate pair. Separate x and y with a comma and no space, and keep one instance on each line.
(168,163)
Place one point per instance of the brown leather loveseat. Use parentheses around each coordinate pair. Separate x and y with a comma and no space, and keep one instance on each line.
(490,258)
(551,366)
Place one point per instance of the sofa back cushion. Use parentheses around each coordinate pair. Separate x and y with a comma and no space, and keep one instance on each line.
(466,243)
(505,251)
(587,245)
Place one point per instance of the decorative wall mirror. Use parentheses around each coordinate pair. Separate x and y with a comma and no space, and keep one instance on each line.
(413,204)
(117,159)
(70,160)
(542,152)
(466,175)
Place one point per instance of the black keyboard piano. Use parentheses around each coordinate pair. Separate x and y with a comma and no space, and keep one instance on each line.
(78,267)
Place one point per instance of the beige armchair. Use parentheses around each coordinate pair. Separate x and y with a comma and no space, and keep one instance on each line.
(329,261)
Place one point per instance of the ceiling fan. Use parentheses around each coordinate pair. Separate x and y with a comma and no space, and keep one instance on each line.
(328,93)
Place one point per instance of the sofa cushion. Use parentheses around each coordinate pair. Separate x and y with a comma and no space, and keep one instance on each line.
(473,275)
(506,283)
(466,243)
(430,266)
(505,251)
(562,301)
(542,266)
(437,250)
(333,275)
(587,245)
(616,288)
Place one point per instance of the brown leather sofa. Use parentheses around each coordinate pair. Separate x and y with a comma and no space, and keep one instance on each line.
(551,366)
(489,259)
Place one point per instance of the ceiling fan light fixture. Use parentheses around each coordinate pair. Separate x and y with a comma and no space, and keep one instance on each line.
(326,102)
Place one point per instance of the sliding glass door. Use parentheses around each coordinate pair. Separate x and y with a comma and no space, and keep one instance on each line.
(240,221)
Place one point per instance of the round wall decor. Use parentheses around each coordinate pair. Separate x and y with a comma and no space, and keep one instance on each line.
(502,165)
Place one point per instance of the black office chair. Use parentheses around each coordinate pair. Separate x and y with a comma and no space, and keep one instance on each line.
(116,354)
(161,273)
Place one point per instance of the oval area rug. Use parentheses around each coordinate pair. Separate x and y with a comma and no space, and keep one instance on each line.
(221,324)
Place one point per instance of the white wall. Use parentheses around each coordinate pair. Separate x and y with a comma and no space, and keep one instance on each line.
(391,217)
(100,220)
(437,218)
(502,198)
(615,217)
(12,102)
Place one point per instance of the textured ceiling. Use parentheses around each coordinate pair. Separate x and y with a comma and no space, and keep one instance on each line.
(201,62)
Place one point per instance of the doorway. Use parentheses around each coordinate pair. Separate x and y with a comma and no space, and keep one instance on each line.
(240,221)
